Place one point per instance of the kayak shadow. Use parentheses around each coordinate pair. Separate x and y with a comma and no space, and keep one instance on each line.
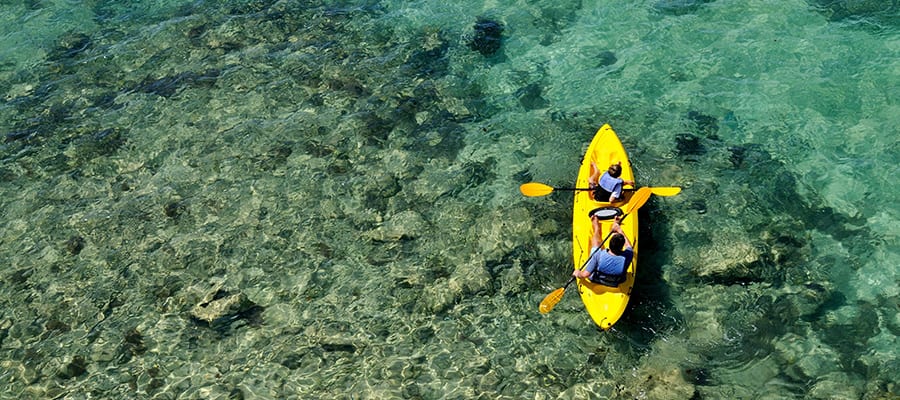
(651,314)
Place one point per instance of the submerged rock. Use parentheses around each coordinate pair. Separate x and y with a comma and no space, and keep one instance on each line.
(431,60)
(606,58)
(875,11)
(75,244)
(836,385)
(680,7)
(488,36)
(75,368)
(689,145)
(466,280)
(706,124)
(97,144)
(806,356)
(220,307)
(23,134)
(169,85)
(71,45)
(405,225)
(530,97)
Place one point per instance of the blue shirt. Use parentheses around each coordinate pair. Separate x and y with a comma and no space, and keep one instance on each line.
(612,185)
(609,264)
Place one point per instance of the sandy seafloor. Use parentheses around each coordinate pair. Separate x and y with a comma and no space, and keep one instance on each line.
(304,200)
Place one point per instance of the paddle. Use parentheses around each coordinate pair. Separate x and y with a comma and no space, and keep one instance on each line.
(637,200)
(535,189)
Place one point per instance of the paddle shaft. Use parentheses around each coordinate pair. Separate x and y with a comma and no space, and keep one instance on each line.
(577,189)
(639,198)
(535,189)
(604,241)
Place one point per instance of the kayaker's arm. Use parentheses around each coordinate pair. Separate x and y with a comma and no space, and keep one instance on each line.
(596,238)
(597,235)
(618,229)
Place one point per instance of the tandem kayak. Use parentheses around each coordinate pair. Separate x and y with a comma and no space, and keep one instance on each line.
(605,304)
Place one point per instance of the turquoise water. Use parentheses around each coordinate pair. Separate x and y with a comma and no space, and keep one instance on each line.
(261,199)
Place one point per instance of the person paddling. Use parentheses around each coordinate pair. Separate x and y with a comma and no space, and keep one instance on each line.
(607,266)
(609,186)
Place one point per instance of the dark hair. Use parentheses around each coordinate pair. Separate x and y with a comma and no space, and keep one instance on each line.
(616,243)
(615,170)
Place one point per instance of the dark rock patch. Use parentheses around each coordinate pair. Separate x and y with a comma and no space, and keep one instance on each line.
(35,5)
(221,308)
(195,34)
(707,125)
(75,368)
(697,375)
(275,157)
(689,144)
(850,336)
(877,13)
(105,99)
(523,255)
(349,85)
(249,7)
(167,86)
(70,45)
(377,128)
(6,175)
(74,245)
(606,58)
(99,144)
(132,345)
(55,326)
(737,156)
(59,113)
(292,361)
(679,7)
(530,97)
(135,341)
(479,173)
(430,61)
(698,205)
(24,134)
(338,347)
(451,138)
(488,36)
(174,209)
(20,276)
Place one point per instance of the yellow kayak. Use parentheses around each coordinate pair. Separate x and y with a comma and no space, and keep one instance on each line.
(605,304)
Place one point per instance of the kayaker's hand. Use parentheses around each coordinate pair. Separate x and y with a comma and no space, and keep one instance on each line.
(616,228)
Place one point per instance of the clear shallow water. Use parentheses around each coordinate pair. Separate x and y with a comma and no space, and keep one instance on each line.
(344,178)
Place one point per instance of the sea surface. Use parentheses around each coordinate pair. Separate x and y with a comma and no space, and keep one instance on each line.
(320,199)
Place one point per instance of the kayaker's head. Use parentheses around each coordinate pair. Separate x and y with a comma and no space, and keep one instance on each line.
(616,243)
(615,170)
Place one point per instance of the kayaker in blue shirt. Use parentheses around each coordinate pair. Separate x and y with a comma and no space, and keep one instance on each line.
(607,266)
(609,186)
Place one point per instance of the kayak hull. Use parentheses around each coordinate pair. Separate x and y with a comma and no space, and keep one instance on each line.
(605,304)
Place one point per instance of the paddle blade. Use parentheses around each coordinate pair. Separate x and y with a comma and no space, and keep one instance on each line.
(665,190)
(550,301)
(534,189)
(638,199)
